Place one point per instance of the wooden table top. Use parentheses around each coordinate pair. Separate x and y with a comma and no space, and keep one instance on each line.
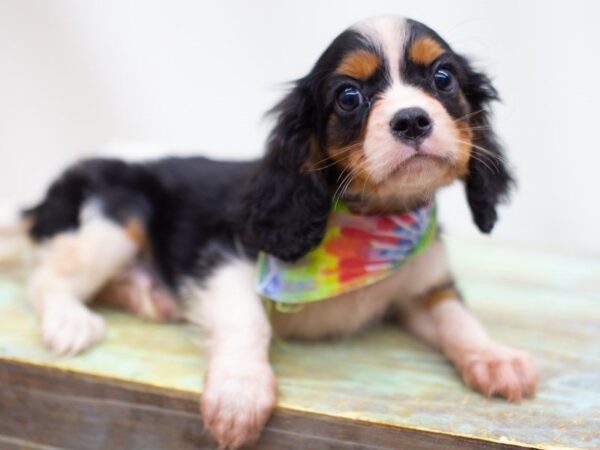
(543,301)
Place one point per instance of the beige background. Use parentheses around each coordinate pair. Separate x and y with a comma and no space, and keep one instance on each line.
(140,79)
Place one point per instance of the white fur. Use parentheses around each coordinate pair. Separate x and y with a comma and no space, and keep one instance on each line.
(71,268)
(485,365)
(385,153)
(389,32)
(239,391)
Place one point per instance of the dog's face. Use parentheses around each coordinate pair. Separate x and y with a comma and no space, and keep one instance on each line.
(389,114)
(396,113)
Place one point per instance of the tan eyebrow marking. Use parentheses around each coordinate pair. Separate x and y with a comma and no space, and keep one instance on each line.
(425,51)
(359,64)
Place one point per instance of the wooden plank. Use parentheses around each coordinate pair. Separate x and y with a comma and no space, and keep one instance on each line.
(542,301)
(48,408)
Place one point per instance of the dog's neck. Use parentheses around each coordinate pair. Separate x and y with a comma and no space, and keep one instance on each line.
(365,204)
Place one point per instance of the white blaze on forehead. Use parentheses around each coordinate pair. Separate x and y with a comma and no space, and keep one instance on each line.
(384,153)
(389,33)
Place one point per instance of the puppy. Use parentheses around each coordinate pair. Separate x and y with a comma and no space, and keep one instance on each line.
(332,230)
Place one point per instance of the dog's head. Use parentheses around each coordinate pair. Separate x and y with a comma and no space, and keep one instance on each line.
(389,114)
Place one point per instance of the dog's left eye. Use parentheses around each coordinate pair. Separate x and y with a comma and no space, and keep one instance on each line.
(443,80)
(349,99)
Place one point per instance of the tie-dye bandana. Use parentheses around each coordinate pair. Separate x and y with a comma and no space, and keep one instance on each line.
(356,251)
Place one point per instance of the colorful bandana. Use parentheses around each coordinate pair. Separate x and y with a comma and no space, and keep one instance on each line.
(357,251)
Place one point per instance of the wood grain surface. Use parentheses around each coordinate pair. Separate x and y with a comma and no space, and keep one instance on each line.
(380,389)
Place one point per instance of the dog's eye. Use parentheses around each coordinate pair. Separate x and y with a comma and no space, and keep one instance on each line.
(443,80)
(349,99)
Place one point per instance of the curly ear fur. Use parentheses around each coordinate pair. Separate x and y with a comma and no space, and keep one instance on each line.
(489,179)
(288,204)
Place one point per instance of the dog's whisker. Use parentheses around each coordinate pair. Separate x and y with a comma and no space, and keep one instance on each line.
(466,116)
(492,168)
(342,173)
(362,196)
(335,159)
(485,152)
(340,185)
(475,128)
(343,187)
(491,157)
(333,163)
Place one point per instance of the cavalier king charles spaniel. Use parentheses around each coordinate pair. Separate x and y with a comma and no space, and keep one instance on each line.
(332,230)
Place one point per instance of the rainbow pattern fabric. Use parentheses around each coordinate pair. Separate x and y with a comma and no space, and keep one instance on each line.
(357,250)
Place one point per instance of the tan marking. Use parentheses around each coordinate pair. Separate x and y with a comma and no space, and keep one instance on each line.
(465,133)
(359,64)
(425,51)
(350,161)
(136,231)
(439,295)
(25,224)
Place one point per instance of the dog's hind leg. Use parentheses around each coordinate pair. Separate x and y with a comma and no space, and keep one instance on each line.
(72,266)
(139,290)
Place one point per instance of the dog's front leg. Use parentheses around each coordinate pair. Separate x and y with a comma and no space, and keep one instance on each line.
(239,386)
(484,364)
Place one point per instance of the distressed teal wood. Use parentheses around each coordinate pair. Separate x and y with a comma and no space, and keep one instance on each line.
(547,302)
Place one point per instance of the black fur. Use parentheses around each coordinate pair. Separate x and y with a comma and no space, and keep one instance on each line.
(191,207)
(198,212)
(289,204)
(489,180)
(123,190)
(290,200)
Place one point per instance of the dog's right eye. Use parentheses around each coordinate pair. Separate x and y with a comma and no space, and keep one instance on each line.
(443,80)
(349,98)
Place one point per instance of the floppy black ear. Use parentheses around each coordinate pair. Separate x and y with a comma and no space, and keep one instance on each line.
(289,203)
(489,179)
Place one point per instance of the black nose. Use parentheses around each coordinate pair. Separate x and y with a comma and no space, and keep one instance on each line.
(411,125)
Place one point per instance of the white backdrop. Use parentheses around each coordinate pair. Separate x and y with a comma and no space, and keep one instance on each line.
(139,77)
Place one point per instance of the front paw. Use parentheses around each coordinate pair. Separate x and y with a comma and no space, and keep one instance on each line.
(237,402)
(497,370)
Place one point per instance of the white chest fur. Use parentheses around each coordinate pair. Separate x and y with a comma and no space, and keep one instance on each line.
(348,313)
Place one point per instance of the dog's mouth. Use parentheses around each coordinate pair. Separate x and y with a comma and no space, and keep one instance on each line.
(419,161)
